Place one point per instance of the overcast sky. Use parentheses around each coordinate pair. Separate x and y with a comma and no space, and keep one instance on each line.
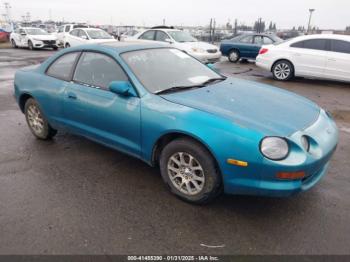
(329,13)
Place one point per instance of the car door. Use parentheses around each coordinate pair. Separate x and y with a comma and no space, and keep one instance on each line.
(82,37)
(257,44)
(72,37)
(57,78)
(93,111)
(245,47)
(338,61)
(309,57)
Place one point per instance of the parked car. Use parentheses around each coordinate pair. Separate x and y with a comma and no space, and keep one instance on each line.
(206,132)
(246,46)
(33,38)
(80,36)
(207,53)
(64,30)
(315,56)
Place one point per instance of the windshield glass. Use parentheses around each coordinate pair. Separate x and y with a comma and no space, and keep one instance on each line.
(98,34)
(36,31)
(164,68)
(181,36)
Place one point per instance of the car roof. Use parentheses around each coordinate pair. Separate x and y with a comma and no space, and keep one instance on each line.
(323,36)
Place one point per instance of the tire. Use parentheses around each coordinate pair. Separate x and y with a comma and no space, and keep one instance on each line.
(283,70)
(234,56)
(67,45)
(55,48)
(193,177)
(37,122)
(13,43)
(30,45)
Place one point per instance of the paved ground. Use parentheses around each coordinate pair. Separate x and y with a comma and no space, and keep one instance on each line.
(72,196)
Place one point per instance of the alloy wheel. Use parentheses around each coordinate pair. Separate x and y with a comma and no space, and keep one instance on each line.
(186,173)
(35,119)
(282,71)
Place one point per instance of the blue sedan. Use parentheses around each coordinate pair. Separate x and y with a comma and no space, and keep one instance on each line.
(207,133)
(246,46)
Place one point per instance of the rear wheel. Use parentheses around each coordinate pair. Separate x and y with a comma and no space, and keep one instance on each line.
(37,122)
(190,171)
(283,70)
(234,56)
(13,43)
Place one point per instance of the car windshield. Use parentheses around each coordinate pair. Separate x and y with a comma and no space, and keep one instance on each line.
(98,34)
(181,36)
(36,31)
(165,68)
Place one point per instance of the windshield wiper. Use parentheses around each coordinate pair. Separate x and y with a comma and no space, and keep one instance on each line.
(210,80)
(178,88)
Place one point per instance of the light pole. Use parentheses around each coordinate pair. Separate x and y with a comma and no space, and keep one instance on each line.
(309,25)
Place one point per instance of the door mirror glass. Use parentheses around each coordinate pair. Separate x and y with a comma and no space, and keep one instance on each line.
(120,88)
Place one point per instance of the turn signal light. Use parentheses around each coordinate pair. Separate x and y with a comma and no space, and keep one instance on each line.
(263,51)
(291,175)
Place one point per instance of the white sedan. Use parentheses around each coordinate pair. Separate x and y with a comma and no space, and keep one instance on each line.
(33,38)
(204,52)
(313,56)
(80,36)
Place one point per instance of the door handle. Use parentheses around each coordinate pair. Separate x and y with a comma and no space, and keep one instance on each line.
(72,95)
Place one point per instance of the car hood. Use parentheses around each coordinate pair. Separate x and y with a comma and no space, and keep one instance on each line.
(101,40)
(44,37)
(263,108)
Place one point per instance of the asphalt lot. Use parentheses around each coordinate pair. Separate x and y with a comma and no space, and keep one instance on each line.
(73,196)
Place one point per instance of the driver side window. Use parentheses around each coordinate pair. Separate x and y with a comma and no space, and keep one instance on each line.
(98,70)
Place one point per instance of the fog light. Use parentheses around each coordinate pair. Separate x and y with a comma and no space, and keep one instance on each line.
(291,175)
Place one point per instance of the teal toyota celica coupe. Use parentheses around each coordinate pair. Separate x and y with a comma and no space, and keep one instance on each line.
(207,133)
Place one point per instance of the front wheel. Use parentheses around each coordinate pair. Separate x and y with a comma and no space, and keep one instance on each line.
(234,56)
(13,43)
(283,71)
(67,45)
(36,121)
(30,45)
(190,171)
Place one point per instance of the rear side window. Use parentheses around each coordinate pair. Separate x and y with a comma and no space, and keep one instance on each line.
(149,35)
(63,66)
(340,46)
(315,44)
(74,32)
(247,39)
(98,70)
(67,28)
(161,36)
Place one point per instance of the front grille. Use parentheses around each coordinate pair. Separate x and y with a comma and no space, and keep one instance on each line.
(212,51)
(49,42)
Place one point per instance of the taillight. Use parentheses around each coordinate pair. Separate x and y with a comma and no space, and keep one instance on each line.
(263,51)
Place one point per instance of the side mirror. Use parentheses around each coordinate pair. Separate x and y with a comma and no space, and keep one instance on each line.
(84,37)
(168,40)
(122,88)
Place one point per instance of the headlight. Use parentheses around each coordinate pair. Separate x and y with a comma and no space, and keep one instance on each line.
(274,148)
(198,50)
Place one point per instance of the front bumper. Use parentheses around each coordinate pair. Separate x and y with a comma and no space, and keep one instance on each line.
(260,178)
(207,58)
(45,43)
